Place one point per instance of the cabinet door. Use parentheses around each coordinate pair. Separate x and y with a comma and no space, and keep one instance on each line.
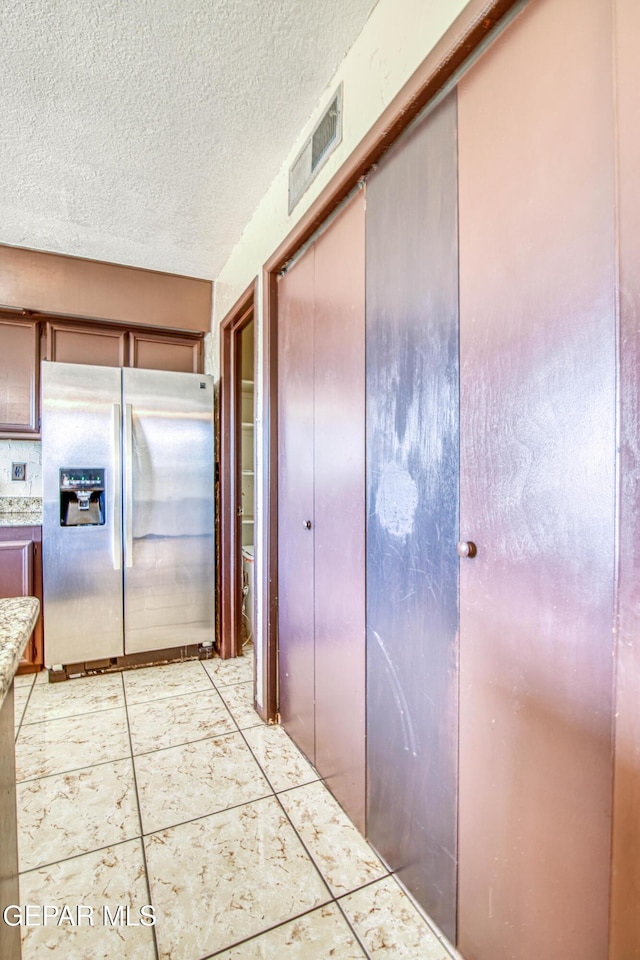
(18,378)
(16,568)
(538,441)
(155,352)
(75,343)
(16,577)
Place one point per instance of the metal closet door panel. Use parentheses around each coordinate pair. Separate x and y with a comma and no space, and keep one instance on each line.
(82,566)
(625,915)
(412,511)
(537,347)
(339,498)
(169,514)
(295,503)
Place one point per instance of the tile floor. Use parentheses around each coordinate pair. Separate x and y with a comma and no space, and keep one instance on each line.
(162,787)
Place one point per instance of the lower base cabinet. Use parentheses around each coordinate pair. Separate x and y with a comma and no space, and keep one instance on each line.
(21,576)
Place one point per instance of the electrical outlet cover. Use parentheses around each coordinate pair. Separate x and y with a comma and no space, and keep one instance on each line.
(18,471)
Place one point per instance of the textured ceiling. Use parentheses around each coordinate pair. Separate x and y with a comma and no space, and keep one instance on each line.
(146,131)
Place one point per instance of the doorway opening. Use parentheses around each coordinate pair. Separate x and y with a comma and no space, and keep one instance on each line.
(237,470)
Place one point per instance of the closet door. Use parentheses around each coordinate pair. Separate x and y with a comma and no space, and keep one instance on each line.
(295,503)
(412,511)
(321,505)
(625,915)
(537,426)
(340,507)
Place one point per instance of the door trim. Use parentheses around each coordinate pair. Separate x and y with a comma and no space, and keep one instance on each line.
(230,566)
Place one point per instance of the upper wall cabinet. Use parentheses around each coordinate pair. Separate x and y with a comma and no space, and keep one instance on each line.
(68,341)
(153,351)
(111,346)
(76,343)
(18,378)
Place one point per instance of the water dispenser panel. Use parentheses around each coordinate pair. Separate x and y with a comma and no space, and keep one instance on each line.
(82,496)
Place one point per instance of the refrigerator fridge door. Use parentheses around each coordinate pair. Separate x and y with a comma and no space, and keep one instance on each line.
(168,509)
(82,561)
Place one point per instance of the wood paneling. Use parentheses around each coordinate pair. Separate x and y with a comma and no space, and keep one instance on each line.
(18,377)
(295,504)
(69,286)
(537,422)
(625,900)
(412,511)
(339,508)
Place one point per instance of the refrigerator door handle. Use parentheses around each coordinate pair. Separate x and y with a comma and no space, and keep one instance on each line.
(128,485)
(116,543)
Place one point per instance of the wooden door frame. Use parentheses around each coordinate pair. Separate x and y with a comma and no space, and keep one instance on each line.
(240,315)
(470,29)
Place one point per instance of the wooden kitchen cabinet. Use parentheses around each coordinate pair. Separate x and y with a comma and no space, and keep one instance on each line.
(86,343)
(21,576)
(154,351)
(19,364)
(113,346)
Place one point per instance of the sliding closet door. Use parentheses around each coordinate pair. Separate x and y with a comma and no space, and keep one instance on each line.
(321,505)
(412,511)
(537,428)
(340,507)
(295,503)
(625,910)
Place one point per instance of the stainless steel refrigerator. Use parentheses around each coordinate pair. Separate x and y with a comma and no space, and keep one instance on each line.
(128,511)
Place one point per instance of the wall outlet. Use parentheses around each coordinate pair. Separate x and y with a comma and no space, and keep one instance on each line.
(18,471)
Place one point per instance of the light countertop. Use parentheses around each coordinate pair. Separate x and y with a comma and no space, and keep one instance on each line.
(20,511)
(18,616)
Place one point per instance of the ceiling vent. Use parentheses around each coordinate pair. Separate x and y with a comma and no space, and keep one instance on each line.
(326,135)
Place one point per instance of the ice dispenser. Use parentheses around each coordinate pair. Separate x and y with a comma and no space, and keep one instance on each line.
(81,496)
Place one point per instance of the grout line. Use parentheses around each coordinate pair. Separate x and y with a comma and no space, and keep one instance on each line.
(350,925)
(169,696)
(369,883)
(72,716)
(306,849)
(275,926)
(142,847)
(82,853)
(331,898)
(60,773)
(205,816)
(26,703)
(186,743)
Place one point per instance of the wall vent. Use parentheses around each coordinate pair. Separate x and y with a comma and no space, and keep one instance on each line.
(326,135)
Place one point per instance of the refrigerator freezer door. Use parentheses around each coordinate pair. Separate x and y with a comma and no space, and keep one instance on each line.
(169,512)
(82,565)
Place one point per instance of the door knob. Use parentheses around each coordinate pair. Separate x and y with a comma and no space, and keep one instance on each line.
(306,524)
(466,548)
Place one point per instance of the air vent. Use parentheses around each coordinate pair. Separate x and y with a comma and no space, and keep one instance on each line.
(325,137)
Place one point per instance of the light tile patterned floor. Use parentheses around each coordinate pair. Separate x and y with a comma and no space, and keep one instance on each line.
(162,786)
